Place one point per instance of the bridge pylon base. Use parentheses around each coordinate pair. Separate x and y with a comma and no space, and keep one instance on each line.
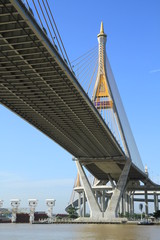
(102,209)
(95,211)
(112,209)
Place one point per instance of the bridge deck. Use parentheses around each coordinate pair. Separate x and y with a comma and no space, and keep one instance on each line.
(37,84)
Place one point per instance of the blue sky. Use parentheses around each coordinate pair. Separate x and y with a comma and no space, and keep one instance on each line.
(32,165)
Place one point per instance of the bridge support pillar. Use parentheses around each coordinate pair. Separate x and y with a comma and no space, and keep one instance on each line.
(84,205)
(146,202)
(129,202)
(126,203)
(157,203)
(95,212)
(112,210)
(121,207)
(156,207)
(94,198)
(123,204)
(103,201)
(79,204)
(132,203)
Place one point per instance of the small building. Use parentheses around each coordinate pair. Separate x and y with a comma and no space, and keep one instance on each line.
(40,216)
(22,218)
(4,219)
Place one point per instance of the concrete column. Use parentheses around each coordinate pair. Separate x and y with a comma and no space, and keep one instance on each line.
(126,203)
(79,204)
(95,211)
(146,202)
(106,202)
(122,205)
(132,203)
(103,202)
(155,205)
(111,211)
(129,202)
(84,205)
(119,208)
(155,202)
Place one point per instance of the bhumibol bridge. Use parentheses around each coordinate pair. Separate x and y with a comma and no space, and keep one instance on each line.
(37,82)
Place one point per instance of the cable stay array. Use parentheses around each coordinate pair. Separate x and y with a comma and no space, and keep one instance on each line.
(85,68)
(41,11)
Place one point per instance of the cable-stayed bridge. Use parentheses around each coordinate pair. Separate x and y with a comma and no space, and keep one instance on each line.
(37,82)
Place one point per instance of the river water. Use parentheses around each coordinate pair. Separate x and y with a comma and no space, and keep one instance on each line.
(78,232)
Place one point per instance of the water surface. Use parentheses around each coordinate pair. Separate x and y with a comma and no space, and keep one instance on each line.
(78,232)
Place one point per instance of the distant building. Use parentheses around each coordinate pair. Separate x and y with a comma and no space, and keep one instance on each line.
(40,216)
(4,219)
(22,218)
(5,215)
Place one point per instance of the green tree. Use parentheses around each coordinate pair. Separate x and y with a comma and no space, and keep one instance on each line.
(156,214)
(72,211)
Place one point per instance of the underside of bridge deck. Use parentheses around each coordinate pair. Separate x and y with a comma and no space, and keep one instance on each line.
(37,84)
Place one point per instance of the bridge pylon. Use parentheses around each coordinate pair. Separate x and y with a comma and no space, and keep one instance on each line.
(104,204)
(107,195)
(101,93)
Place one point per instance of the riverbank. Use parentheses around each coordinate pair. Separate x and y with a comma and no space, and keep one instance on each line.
(94,222)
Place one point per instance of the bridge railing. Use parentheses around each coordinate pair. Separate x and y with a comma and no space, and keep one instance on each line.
(41,11)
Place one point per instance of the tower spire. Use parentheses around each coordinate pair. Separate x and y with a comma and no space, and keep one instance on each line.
(101,89)
(102,29)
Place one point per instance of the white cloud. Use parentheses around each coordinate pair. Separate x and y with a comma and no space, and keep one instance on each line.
(154,71)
